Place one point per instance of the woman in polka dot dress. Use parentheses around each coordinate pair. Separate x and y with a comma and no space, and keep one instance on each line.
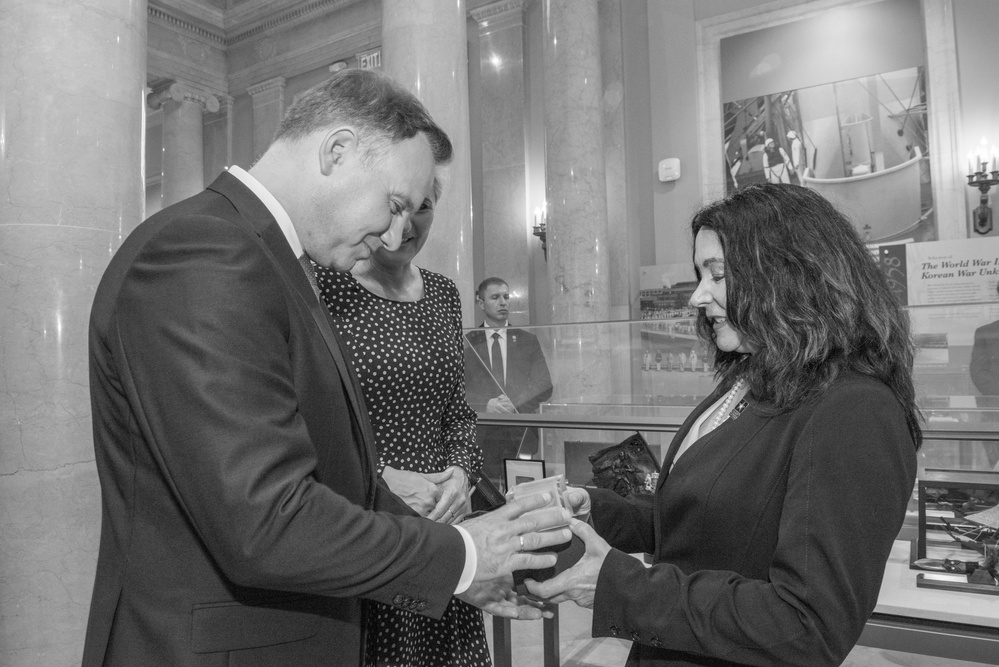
(401,326)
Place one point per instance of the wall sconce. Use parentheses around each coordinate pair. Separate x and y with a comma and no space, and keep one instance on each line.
(982,177)
(541,228)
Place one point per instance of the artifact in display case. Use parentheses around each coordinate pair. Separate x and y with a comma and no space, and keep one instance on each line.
(958,542)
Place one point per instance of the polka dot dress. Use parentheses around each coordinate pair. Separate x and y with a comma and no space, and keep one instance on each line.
(409,360)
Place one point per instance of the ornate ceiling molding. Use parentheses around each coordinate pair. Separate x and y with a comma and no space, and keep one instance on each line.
(277,83)
(238,25)
(498,10)
(175,21)
(286,19)
(308,56)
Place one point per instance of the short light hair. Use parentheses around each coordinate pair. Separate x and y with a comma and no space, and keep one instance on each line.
(384,111)
(485,284)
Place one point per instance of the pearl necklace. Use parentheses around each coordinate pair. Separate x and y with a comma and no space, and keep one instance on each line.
(723,410)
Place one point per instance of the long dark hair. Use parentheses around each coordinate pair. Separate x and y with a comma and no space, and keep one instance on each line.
(802,288)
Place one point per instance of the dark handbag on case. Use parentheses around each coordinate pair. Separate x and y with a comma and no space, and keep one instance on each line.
(628,468)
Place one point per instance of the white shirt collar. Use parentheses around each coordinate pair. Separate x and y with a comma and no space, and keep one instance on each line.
(273,206)
(490,330)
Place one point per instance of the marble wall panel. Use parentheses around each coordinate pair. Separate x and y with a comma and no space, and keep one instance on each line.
(505,211)
(502,71)
(505,235)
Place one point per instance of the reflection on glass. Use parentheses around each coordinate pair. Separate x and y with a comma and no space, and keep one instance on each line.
(645,387)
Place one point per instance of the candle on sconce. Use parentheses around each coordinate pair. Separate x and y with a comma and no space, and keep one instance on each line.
(983,158)
(971,163)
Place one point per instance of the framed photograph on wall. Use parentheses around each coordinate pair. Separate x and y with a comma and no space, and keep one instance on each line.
(751,59)
(518,471)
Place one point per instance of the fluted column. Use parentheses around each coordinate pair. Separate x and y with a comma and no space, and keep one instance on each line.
(72,76)
(268,110)
(576,191)
(218,138)
(183,138)
(424,48)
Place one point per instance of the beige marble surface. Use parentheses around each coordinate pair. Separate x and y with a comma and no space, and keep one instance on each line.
(72,77)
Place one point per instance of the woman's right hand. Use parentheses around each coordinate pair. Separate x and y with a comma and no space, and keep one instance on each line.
(416,490)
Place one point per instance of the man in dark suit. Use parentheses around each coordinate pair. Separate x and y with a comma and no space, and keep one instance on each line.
(505,372)
(984,368)
(236,460)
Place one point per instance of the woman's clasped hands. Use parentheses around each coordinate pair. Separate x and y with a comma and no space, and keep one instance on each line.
(443,496)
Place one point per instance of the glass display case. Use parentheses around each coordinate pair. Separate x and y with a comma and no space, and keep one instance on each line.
(957,544)
(612,379)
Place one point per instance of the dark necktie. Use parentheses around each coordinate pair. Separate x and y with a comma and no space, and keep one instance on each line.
(496,360)
(310,273)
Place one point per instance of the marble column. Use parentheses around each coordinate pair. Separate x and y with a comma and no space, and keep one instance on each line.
(218,138)
(621,244)
(183,139)
(268,110)
(505,213)
(576,190)
(574,174)
(424,47)
(623,276)
(72,75)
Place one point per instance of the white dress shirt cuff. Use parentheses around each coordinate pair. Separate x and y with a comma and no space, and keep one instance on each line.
(471,562)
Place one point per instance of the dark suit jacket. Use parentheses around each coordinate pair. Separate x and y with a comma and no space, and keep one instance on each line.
(235,457)
(985,361)
(770,535)
(528,382)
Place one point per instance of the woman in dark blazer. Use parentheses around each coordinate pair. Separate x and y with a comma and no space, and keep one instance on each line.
(783,491)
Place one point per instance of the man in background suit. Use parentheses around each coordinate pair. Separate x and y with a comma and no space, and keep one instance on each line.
(236,461)
(505,372)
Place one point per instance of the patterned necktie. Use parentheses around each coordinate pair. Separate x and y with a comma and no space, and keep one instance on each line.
(496,360)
